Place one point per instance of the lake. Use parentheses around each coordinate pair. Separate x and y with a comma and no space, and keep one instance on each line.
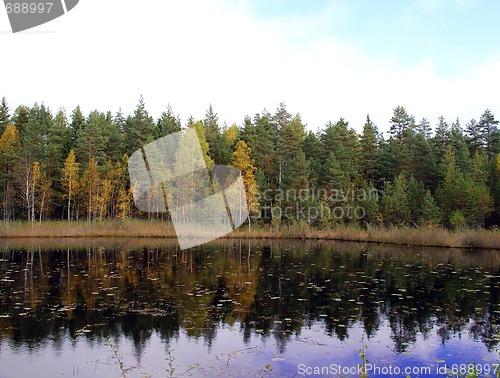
(143,308)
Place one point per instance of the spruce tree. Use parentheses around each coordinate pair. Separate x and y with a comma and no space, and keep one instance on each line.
(451,193)
(395,202)
(478,201)
(313,150)
(441,138)
(140,128)
(168,123)
(113,134)
(369,150)
(77,123)
(430,214)
(265,156)
(343,142)
(92,140)
(4,115)
(212,132)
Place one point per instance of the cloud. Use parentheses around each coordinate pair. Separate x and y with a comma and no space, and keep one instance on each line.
(428,6)
(194,53)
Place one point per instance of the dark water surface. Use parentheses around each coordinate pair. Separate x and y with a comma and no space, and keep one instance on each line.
(104,308)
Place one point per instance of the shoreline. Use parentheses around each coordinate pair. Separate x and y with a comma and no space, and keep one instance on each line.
(404,236)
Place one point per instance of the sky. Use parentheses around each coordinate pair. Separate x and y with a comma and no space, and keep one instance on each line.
(324,59)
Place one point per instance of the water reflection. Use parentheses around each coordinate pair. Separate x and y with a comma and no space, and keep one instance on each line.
(53,294)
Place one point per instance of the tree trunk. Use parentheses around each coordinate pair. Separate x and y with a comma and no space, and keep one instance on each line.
(69,200)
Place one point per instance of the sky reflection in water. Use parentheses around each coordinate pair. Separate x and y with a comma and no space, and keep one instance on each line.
(233,308)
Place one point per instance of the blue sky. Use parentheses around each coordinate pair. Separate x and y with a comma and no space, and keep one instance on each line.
(324,58)
(456,35)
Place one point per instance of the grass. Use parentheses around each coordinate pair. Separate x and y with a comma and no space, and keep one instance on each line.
(63,229)
(117,357)
(170,361)
(429,237)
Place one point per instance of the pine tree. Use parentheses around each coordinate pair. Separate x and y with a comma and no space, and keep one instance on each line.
(424,129)
(488,130)
(401,122)
(474,138)
(21,117)
(281,118)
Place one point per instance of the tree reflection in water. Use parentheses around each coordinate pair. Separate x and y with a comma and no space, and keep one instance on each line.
(100,289)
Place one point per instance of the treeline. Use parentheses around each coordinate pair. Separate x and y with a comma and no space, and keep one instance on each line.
(75,167)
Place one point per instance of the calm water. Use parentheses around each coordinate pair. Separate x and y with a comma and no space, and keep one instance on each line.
(99,308)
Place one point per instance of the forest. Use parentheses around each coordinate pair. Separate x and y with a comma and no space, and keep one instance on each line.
(74,167)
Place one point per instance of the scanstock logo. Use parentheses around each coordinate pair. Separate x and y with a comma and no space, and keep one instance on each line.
(171,174)
(26,14)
